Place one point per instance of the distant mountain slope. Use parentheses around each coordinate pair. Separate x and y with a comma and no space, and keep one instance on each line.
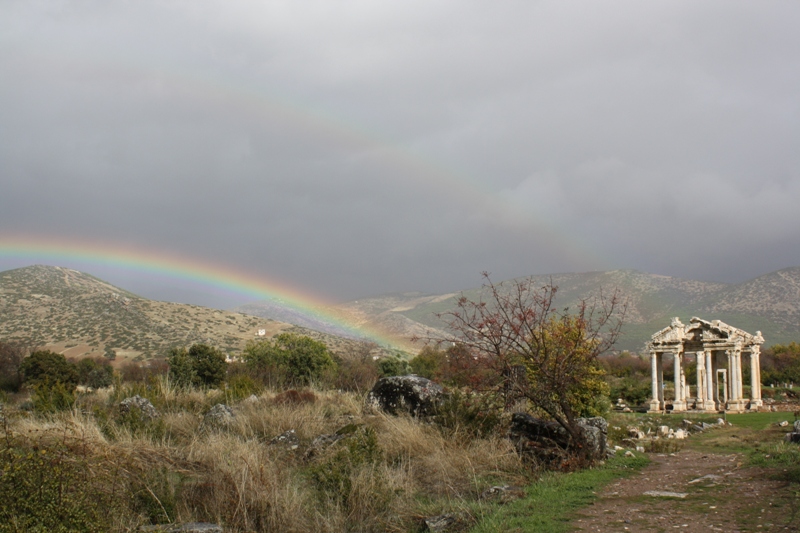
(770,303)
(80,315)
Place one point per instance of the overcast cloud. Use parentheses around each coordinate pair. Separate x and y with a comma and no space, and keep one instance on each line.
(359,147)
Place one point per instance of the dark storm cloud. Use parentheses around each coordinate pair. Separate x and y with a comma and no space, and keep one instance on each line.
(364,147)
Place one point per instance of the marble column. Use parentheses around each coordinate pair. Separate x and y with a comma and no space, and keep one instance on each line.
(701,381)
(711,395)
(755,377)
(679,404)
(655,402)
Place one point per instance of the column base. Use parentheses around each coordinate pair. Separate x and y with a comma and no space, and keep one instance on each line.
(735,406)
(655,407)
(679,405)
(706,405)
(755,405)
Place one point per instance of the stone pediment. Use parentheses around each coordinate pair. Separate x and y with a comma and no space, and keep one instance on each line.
(703,331)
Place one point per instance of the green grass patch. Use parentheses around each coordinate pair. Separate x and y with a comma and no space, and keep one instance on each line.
(551,501)
(759,421)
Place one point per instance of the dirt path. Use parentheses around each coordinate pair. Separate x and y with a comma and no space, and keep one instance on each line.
(731,498)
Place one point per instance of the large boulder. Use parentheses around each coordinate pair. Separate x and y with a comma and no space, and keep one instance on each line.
(146,409)
(548,442)
(412,394)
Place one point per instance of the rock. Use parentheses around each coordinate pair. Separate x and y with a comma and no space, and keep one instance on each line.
(626,410)
(630,454)
(640,449)
(720,422)
(144,406)
(663,431)
(596,433)
(792,437)
(446,522)
(251,399)
(412,394)
(665,494)
(783,423)
(636,433)
(191,527)
(680,434)
(797,426)
(219,416)
(696,428)
(323,442)
(288,439)
(503,493)
(543,438)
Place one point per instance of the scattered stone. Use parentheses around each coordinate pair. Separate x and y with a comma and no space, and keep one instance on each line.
(783,423)
(663,431)
(191,527)
(640,449)
(792,437)
(665,494)
(630,454)
(797,426)
(288,439)
(696,428)
(680,434)
(720,422)
(707,477)
(503,493)
(147,410)
(219,416)
(323,442)
(446,522)
(412,394)
(636,433)
(251,399)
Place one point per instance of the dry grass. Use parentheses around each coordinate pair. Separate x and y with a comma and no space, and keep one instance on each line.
(177,469)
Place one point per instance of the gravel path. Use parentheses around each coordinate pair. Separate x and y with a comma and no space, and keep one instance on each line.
(718,495)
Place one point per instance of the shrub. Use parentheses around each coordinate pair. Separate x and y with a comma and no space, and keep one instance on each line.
(200,365)
(393,366)
(295,397)
(94,373)
(332,477)
(52,397)
(470,414)
(428,363)
(301,359)
(44,367)
(53,487)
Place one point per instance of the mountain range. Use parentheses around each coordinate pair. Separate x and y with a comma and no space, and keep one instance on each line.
(768,303)
(80,315)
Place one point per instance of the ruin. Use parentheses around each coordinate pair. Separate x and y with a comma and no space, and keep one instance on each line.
(718,350)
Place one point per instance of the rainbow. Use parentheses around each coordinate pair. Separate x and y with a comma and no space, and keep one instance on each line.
(208,275)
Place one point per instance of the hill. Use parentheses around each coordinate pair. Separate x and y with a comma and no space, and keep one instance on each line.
(769,303)
(80,315)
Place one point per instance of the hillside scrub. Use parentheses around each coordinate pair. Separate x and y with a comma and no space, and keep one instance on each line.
(381,473)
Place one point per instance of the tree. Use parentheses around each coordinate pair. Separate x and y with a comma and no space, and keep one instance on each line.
(301,359)
(517,325)
(10,359)
(47,368)
(200,365)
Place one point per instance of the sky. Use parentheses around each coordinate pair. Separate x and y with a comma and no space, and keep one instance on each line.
(354,148)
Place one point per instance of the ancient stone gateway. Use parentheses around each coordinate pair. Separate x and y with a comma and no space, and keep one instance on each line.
(718,349)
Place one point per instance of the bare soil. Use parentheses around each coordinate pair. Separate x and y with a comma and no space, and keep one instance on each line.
(732,498)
